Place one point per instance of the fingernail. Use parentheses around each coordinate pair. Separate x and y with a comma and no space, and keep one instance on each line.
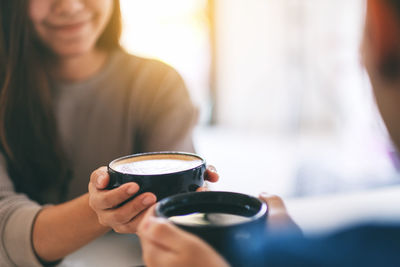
(148,200)
(212,168)
(100,179)
(264,194)
(131,190)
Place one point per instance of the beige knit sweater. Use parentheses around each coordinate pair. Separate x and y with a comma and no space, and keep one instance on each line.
(132,105)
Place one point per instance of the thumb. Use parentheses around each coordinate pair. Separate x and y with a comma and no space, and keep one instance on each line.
(279,220)
(275,203)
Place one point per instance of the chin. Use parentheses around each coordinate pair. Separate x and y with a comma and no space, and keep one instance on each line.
(72,50)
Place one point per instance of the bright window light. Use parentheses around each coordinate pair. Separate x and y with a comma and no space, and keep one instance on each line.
(175,32)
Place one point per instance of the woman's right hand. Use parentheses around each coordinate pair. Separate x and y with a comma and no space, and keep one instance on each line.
(107,203)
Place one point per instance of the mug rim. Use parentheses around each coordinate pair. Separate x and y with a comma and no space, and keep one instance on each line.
(263,210)
(203,162)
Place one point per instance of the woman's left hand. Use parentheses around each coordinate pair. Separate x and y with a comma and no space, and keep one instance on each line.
(166,245)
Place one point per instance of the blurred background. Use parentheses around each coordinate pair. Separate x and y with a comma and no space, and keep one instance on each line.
(286,106)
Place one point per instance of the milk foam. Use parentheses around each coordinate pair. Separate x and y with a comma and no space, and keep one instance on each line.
(157,166)
(199,218)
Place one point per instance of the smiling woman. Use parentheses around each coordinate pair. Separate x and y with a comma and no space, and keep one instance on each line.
(71,100)
(70,27)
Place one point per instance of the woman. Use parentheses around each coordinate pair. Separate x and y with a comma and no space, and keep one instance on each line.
(72,100)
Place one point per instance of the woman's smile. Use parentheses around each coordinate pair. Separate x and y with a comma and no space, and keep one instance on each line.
(70,30)
(70,27)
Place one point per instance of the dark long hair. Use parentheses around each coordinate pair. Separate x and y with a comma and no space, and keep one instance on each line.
(29,138)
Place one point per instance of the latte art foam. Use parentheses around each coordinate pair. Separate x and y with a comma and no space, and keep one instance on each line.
(157,166)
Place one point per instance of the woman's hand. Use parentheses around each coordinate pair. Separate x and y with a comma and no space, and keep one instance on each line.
(164,244)
(124,218)
(107,203)
(210,175)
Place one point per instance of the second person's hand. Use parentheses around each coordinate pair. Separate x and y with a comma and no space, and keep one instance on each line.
(164,244)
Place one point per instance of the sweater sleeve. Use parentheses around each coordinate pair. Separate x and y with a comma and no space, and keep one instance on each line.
(17,215)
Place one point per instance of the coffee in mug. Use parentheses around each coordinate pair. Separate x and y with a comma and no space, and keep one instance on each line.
(157,164)
(208,218)
(162,173)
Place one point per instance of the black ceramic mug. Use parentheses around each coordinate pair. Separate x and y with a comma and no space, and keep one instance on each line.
(162,173)
(233,223)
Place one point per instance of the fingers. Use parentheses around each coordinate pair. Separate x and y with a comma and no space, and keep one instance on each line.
(100,178)
(164,234)
(164,244)
(154,255)
(211,174)
(275,203)
(125,218)
(114,207)
(107,199)
(278,218)
(131,226)
(149,213)
(202,189)
(125,213)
